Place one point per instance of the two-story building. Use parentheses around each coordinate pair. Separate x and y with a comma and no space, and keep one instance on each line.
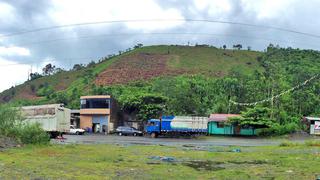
(95,114)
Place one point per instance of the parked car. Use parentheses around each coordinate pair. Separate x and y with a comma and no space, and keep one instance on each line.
(77,131)
(124,130)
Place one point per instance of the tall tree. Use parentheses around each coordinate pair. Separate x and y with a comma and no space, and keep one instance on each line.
(48,69)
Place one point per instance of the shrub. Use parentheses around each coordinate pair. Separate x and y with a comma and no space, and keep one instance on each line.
(278,129)
(11,125)
(45,91)
(32,134)
(288,144)
(9,118)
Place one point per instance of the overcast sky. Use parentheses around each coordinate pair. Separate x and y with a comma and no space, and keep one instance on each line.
(80,44)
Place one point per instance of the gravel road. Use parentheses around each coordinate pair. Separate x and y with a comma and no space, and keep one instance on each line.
(202,141)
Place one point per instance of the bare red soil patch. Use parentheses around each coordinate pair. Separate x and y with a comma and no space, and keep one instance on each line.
(27,94)
(142,66)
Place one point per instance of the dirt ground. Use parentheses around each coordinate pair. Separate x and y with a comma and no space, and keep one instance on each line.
(199,141)
(141,66)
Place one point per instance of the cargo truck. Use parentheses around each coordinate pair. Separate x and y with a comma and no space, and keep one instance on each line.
(53,118)
(177,125)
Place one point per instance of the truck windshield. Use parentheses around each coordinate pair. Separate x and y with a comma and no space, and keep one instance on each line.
(151,123)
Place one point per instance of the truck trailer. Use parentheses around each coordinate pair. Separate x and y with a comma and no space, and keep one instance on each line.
(177,125)
(53,118)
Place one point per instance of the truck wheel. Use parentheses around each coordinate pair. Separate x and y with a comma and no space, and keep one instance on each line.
(77,133)
(153,135)
(53,135)
(120,134)
(134,134)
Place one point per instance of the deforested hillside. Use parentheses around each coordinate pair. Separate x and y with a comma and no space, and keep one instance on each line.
(143,63)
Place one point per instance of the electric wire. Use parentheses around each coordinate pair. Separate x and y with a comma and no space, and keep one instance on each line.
(160,20)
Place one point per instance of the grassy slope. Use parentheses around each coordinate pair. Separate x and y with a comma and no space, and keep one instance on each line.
(58,81)
(133,162)
(205,60)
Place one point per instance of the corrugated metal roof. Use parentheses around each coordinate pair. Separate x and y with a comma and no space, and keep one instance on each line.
(221,117)
(95,97)
(43,106)
(313,118)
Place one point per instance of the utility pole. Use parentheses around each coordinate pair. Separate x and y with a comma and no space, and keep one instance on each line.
(30,72)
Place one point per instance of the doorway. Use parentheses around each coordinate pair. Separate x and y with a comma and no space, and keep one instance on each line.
(100,124)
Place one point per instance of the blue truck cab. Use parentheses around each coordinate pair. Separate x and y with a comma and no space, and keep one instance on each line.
(157,126)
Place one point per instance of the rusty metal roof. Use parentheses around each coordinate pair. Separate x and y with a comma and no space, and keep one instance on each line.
(221,117)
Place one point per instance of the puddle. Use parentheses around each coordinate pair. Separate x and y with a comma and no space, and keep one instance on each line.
(249,162)
(163,158)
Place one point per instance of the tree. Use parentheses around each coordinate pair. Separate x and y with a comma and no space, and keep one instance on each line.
(224,47)
(77,67)
(237,46)
(34,76)
(138,46)
(257,117)
(58,70)
(91,64)
(48,69)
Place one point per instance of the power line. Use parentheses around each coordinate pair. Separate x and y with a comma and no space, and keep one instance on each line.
(277,96)
(50,61)
(164,33)
(161,20)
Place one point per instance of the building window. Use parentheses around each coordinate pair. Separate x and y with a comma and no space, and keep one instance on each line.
(95,103)
(220,124)
(83,102)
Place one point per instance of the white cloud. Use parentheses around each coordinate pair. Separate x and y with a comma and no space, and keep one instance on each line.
(7,13)
(214,7)
(74,11)
(14,51)
(12,73)
(268,9)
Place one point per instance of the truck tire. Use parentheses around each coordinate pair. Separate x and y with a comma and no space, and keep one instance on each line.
(53,135)
(134,134)
(120,134)
(154,135)
(77,133)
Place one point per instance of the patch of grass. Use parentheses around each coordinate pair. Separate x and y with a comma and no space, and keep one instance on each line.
(133,162)
(313,143)
(206,59)
(288,144)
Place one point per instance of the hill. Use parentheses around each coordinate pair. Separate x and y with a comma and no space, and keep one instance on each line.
(139,64)
(183,80)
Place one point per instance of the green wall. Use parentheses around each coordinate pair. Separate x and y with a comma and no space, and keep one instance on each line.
(213,129)
(228,130)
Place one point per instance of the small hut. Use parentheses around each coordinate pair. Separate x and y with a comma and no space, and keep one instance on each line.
(218,125)
(313,124)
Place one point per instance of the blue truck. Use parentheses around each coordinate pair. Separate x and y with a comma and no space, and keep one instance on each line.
(177,125)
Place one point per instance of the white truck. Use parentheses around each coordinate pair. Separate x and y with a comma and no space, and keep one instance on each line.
(53,118)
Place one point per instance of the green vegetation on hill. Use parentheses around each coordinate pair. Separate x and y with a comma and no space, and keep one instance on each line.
(185,80)
(183,59)
(207,60)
